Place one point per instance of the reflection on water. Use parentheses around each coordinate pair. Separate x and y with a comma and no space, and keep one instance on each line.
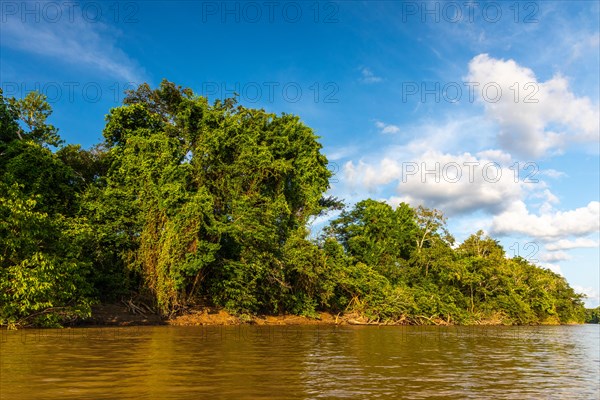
(302,362)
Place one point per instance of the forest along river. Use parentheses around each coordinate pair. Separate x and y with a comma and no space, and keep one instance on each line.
(298,362)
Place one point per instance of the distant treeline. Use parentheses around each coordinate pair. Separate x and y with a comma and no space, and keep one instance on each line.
(188,203)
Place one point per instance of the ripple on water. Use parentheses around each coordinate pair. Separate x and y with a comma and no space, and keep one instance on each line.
(302,362)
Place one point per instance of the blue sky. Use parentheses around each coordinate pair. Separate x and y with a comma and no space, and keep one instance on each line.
(497,100)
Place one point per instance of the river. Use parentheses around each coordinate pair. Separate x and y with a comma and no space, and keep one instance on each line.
(302,362)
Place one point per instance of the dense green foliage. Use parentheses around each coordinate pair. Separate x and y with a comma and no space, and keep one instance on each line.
(422,278)
(43,270)
(189,204)
(592,315)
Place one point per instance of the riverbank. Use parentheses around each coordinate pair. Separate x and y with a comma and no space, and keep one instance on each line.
(124,315)
(129,314)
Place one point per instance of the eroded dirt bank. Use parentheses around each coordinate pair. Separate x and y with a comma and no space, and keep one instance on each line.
(123,315)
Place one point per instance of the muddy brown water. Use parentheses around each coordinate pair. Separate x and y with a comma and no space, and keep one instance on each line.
(302,362)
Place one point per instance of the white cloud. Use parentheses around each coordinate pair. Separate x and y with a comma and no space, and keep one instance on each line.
(566,244)
(75,41)
(496,155)
(552,267)
(368,76)
(370,176)
(548,225)
(535,118)
(456,184)
(592,296)
(554,256)
(387,128)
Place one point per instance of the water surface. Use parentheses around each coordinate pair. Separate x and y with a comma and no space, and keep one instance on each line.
(303,362)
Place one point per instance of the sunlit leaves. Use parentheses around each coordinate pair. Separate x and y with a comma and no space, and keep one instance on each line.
(211,193)
(42,275)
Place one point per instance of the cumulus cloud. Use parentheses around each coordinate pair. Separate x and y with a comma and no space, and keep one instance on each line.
(456,184)
(366,175)
(535,118)
(566,244)
(548,225)
(498,156)
(387,128)
(368,76)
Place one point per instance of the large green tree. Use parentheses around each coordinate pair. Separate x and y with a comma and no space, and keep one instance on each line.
(206,196)
(375,234)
